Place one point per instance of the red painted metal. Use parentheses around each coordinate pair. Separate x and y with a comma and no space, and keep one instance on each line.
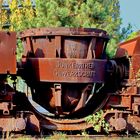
(68,70)
(7,52)
(133,50)
(131,46)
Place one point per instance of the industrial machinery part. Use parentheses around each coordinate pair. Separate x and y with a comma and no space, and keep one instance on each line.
(63,67)
(67,76)
(11,119)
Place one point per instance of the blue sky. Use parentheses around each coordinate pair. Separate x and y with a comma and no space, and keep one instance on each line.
(130,13)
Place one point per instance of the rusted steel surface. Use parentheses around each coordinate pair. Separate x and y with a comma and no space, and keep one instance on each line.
(12,124)
(64,31)
(8,122)
(64,124)
(64,42)
(4,106)
(131,46)
(68,77)
(7,52)
(68,127)
(75,79)
(66,70)
(133,50)
(134,123)
(62,59)
(128,98)
(32,124)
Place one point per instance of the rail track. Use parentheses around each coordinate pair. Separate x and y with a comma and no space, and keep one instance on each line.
(58,136)
(72,136)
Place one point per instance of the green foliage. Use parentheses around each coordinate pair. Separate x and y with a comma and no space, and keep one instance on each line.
(19,49)
(82,13)
(3,16)
(132,35)
(57,136)
(20,84)
(98,121)
(9,80)
(21,17)
(125,32)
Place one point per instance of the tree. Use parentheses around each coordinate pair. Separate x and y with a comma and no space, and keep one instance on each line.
(132,35)
(125,32)
(22,15)
(3,16)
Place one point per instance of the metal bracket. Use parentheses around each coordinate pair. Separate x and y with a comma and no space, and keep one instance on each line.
(83,99)
(58,93)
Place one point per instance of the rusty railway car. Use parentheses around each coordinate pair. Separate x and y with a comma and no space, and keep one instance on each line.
(67,76)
